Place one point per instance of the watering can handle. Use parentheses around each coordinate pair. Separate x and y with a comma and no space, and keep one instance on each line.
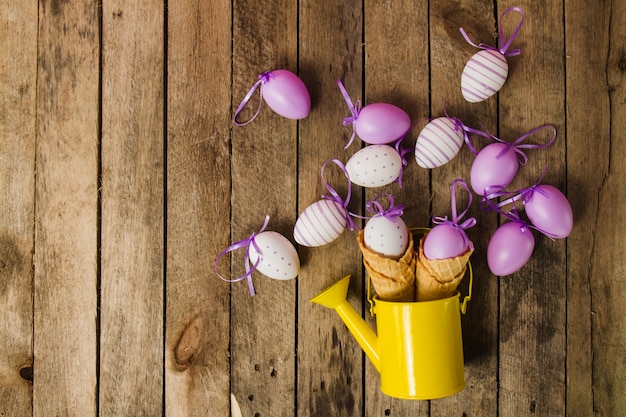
(466,299)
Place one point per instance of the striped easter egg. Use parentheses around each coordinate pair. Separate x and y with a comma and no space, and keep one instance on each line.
(438,142)
(483,75)
(320,223)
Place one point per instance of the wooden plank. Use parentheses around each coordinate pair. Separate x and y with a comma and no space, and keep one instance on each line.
(132,271)
(449,54)
(18,72)
(397,72)
(533,307)
(198,217)
(588,128)
(330,362)
(66,217)
(607,269)
(263,158)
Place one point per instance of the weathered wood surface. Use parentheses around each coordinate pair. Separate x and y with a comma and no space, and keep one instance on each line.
(123,177)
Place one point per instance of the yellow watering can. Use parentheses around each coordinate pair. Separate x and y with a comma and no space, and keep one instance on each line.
(419,348)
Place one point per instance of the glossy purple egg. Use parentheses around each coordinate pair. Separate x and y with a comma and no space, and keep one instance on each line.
(444,241)
(489,171)
(287,95)
(510,247)
(381,123)
(550,211)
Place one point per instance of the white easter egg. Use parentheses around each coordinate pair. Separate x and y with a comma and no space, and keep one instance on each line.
(483,75)
(374,166)
(276,255)
(386,237)
(320,223)
(438,143)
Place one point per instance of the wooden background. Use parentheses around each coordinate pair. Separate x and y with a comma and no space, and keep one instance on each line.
(122,177)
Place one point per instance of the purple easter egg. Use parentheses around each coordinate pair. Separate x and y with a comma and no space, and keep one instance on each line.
(444,241)
(286,94)
(381,123)
(510,248)
(489,171)
(550,211)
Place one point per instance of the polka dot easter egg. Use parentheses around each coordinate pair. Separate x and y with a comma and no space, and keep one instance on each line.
(375,166)
(486,71)
(386,236)
(438,142)
(276,256)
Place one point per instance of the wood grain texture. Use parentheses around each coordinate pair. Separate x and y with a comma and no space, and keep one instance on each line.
(66,216)
(607,261)
(588,141)
(533,343)
(132,269)
(198,176)
(122,177)
(330,362)
(263,183)
(18,72)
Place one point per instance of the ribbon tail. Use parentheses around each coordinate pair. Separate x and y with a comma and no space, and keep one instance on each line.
(245,100)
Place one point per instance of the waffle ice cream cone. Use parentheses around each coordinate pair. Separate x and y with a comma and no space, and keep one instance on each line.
(393,280)
(439,278)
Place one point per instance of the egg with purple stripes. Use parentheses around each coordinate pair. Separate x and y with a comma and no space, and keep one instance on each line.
(374,166)
(320,223)
(438,142)
(483,75)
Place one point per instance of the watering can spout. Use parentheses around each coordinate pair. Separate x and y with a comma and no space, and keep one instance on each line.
(334,297)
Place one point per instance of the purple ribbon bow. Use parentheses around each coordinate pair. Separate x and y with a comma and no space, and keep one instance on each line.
(376,208)
(504,43)
(334,195)
(354,111)
(517,145)
(459,125)
(456,218)
(245,243)
(263,78)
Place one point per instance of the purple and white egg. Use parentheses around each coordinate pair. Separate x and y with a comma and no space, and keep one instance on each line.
(374,166)
(483,76)
(320,223)
(387,237)
(438,142)
(276,256)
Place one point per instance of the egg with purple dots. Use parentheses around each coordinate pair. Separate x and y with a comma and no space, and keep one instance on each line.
(387,237)
(276,256)
(438,143)
(320,223)
(484,75)
(374,166)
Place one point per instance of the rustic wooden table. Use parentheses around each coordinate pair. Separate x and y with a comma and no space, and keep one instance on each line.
(122,177)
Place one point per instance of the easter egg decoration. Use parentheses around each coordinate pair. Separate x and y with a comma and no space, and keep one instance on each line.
(510,248)
(441,140)
(376,123)
(269,252)
(326,219)
(448,239)
(374,166)
(385,232)
(486,71)
(283,91)
(549,210)
(496,165)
